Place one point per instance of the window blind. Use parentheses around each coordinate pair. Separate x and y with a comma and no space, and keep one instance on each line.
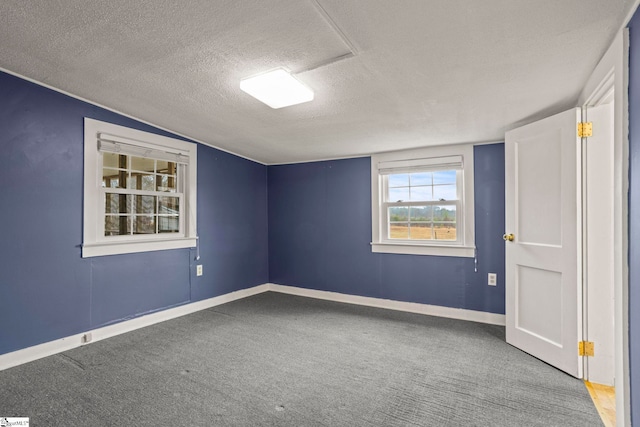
(114,144)
(430,164)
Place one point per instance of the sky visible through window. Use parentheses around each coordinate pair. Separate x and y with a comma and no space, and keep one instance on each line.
(429,222)
(422,186)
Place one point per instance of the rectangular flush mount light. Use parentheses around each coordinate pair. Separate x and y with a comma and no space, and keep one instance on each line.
(277,89)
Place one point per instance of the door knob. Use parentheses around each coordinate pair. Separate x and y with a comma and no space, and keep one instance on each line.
(508,237)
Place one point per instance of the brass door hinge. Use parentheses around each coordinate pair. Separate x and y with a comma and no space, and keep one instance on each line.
(585,129)
(585,348)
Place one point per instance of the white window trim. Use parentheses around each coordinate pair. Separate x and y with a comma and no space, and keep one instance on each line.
(465,247)
(94,241)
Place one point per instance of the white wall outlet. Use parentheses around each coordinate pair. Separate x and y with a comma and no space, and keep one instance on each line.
(199,270)
(86,338)
(492,279)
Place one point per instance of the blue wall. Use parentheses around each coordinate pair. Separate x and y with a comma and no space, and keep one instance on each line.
(47,291)
(634,216)
(320,234)
(318,215)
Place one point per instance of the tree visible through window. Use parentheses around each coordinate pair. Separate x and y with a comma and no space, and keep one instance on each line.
(142,195)
(422,201)
(422,205)
(139,191)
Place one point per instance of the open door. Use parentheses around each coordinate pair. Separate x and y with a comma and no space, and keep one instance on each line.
(543,240)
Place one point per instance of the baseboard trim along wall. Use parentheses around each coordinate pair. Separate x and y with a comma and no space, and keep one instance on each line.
(50,348)
(409,307)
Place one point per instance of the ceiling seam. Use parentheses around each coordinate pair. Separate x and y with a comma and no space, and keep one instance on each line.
(335,27)
(341,35)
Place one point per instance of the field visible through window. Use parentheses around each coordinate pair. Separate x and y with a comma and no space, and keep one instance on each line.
(422,233)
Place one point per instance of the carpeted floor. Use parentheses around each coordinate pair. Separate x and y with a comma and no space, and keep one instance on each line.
(282,360)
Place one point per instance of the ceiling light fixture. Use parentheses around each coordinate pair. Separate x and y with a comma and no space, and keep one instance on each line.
(277,88)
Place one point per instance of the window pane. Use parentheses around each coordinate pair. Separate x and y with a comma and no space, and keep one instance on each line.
(113,160)
(444,192)
(111,203)
(399,180)
(420,213)
(169,205)
(444,231)
(444,213)
(421,193)
(166,183)
(398,214)
(168,168)
(399,194)
(148,182)
(168,224)
(141,181)
(422,222)
(111,178)
(399,231)
(117,203)
(420,231)
(139,214)
(116,225)
(142,164)
(422,178)
(444,177)
(145,204)
(144,224)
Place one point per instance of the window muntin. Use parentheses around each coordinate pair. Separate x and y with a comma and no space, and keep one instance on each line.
(422,205)
(423,223)
(140,191)
(417,186)
(134,190)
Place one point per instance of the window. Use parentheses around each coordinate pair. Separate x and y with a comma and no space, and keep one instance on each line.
(422,201)
(139,191)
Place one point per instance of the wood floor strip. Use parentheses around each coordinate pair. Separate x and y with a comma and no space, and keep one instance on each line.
(604,399)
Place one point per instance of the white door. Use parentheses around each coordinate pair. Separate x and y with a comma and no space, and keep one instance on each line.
(542,268)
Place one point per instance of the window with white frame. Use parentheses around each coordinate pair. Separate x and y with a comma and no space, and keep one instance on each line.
(140,191)
(422,201)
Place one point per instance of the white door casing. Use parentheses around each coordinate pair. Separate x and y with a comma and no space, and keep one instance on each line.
(598,219)
(615,63)
(543,268)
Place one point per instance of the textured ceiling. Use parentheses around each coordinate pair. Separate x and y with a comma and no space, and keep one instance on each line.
(424,72)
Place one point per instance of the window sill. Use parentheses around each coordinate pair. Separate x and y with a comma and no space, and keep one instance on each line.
(129,247)
(420,249)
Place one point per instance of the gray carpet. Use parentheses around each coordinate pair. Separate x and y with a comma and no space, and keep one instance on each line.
(275,359)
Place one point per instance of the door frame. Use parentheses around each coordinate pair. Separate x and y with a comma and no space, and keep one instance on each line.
(597,242)
(612,72)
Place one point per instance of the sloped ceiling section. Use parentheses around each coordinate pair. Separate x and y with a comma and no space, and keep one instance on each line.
(425,72)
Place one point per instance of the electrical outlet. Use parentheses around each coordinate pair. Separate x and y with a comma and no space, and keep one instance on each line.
(199,270)
(492,279)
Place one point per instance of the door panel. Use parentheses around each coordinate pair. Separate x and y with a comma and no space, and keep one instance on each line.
(538,188)
(539,303)
(542,268)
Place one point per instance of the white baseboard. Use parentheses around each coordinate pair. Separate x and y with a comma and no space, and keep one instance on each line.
(50,348)
(410,307)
